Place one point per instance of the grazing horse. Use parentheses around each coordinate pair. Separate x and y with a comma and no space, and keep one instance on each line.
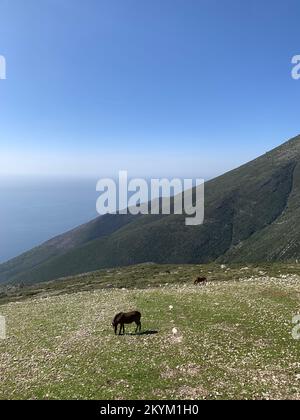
(123,318)
(201,280)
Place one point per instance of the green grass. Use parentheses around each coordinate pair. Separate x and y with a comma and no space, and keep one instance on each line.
(234,338)
(144,276)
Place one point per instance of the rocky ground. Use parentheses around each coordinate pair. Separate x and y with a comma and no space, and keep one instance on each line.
(231,339)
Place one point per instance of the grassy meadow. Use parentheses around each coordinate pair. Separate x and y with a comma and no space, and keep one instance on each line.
(233,338)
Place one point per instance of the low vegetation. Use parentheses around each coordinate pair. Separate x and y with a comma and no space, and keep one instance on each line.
(143,276)
(229,339)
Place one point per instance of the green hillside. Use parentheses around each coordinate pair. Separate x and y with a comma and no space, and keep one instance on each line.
(251,215)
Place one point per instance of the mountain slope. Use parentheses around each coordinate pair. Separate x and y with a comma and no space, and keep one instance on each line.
(251,214)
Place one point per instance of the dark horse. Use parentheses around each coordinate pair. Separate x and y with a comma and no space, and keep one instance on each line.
(200,280)
(127,318)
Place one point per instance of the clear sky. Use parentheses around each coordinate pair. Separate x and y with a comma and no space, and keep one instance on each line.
(158,87)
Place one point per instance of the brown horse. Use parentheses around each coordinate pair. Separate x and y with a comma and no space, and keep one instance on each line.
(201,280)
(127,318)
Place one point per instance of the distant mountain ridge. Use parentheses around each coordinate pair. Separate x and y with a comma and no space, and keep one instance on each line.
(252,214)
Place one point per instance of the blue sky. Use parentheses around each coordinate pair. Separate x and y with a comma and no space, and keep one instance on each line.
(160,87)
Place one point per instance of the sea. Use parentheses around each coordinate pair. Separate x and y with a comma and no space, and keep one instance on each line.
(35,209)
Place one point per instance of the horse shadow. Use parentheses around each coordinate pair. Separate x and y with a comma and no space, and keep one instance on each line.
(146,332)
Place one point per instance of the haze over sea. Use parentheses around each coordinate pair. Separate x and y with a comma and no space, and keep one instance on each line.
(34,209)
